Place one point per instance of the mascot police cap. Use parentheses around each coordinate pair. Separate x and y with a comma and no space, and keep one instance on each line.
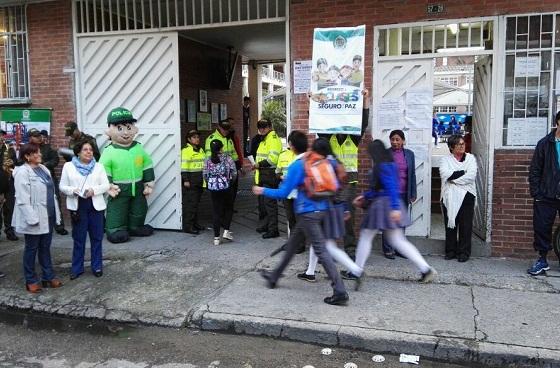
(120,115)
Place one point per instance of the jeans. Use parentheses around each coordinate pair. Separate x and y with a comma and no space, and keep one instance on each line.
(222,206)
(41,245)
(91,222)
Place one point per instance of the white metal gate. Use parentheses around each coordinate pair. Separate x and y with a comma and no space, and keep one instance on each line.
(480,141)
(139,72)
(392,80)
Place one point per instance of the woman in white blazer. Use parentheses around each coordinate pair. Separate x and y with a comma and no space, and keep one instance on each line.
(35,214)
(458,195)
(84,181)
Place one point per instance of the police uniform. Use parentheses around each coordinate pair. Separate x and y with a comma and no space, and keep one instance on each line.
(192,163)
(267,160)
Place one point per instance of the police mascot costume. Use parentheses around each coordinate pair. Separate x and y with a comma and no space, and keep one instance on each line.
(131,175)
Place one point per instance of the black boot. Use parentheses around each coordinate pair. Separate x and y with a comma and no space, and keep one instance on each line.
(120,236)
(145,230)
(11,235)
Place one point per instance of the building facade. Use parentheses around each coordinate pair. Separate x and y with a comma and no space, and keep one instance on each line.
(81,57)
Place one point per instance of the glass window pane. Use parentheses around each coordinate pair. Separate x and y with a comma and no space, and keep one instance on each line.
(547,23)
(452,31)
(532,103)
(508,104)
(510,33)
(415,36)
(440,34)
(521,42)
(545,60)
(427,42)
(393,35)
(543,90)
(557,33)
(519,113)
(510,62)
(519,101)
(405,37)
(534,31)
(522,25)
(381,43)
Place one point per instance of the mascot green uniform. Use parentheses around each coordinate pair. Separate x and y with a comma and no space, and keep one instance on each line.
(131,175)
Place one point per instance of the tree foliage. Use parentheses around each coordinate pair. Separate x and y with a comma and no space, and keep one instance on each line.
(275,112)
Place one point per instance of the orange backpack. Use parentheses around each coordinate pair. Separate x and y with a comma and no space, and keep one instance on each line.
(321,180)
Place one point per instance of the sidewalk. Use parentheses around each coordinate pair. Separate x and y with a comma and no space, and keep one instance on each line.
(485,311)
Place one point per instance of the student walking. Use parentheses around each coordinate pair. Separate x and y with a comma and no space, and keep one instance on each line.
(219,173)
(311,214)
(385,212)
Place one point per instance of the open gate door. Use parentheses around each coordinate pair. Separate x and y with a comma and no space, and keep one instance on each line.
(392,80)
(139,72)
(482,90)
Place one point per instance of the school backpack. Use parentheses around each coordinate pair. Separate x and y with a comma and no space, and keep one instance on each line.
(321,179)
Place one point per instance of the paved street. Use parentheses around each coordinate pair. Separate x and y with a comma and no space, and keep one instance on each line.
(65,344)
(483,312)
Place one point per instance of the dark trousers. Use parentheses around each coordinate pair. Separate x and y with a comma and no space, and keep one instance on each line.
(222,206)
(463,226)
(8,208)
(191,200)
(268,207)
(544,214)
(385,246)
(234,188)
(290,214)
(90,222)
(349,194)
(310,226)
(38,245)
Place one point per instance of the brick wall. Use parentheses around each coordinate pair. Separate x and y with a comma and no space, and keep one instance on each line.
(194,72)
(512,224)
(50,51)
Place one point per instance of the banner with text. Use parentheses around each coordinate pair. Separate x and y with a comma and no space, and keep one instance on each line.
(337,80)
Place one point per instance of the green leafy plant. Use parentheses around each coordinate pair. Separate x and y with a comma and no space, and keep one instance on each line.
(275,112)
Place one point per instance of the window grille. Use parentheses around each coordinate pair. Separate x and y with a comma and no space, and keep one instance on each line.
(133,15)
(444,109)
(531,86)
(14,66)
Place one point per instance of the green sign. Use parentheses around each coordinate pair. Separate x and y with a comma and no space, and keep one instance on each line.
(26,115)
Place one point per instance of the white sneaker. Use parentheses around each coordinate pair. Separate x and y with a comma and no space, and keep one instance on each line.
(228,235)
(217,240)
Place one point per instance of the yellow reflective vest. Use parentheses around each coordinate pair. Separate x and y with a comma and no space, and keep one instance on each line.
(269,150)
(347,153)
(229,148)
(284,160)
(191,160)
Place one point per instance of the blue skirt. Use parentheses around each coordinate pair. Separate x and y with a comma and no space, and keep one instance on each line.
(377,215)
(333,224)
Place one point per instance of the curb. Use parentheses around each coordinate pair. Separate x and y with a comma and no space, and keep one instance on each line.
(453,350)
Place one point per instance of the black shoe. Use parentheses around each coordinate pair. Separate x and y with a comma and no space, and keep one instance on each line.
(305,277)
(191,230)
(61,230)
(199,227)
(346,275)
(271,234)
(389,255)
(428,276)
(97,273)
(399,255)
(262,230)
(337,299)
(462,258)
(11,235)
(74,277)
(449,256)
(2,274)
(267,275)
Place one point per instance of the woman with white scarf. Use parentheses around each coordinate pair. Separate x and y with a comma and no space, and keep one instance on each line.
(84,181)
(458,196)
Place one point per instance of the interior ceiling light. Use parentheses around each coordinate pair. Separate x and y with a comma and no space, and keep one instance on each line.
(460,49)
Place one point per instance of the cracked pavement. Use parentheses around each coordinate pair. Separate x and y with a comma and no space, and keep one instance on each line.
(486,310)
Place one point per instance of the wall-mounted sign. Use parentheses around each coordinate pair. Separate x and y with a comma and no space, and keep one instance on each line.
(434,8)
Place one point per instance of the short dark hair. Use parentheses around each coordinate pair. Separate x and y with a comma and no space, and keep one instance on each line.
(398,132)
(246,98)
(298,140)
(28,149)
(322,147)
(263,123)
(453,141)
(79,145)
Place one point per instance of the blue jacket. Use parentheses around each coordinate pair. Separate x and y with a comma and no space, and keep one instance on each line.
(293,179)
(388,182)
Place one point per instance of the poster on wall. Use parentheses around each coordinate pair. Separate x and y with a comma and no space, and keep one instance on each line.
(203,121)
(419,104)
(202,100)
(302,76)
(223,111)
(17,122)
(526,131)
(337,79)
(215,113)
(191,111)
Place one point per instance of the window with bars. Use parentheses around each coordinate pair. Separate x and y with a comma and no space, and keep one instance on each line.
(531,88)
(435,38)
(14,67)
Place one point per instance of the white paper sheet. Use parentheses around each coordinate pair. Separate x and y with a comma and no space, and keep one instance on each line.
(412,359)
(528,66)
(302,76)
(390,113)
(526,131)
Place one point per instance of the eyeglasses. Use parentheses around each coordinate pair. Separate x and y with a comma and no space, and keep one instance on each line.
(460,144)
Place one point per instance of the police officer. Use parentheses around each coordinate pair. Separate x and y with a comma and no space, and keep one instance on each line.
(345,147)
(71,130)
(50,160)
(265,176)
(7,163)
(192,163)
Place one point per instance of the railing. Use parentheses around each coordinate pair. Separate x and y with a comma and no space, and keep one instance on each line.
(274,76)
(130,15)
